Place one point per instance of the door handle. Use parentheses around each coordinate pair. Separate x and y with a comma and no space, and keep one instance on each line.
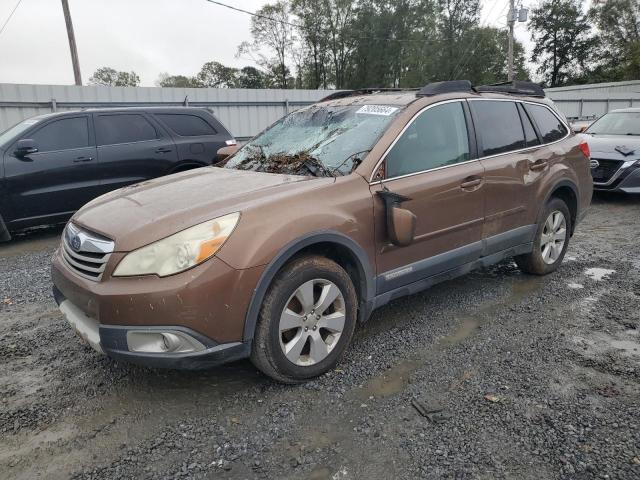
(163,150)
(82,159)
(537,166)
(470,183)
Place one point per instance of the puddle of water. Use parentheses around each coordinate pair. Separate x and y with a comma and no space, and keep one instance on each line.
(575,286)
(597,273)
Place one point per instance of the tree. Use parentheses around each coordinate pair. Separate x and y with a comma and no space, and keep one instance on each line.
(166,80)
(272,28)
(563,45)
(251,77)
(214,74)
(618,24)
(110,77)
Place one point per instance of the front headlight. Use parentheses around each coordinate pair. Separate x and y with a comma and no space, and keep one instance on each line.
(180,251)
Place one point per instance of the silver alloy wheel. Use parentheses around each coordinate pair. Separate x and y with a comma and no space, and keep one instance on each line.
(312,322)
(554,234)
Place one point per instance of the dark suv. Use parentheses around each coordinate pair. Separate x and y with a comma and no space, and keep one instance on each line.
(51,165)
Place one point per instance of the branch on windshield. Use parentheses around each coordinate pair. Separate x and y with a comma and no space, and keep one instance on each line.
(301,163)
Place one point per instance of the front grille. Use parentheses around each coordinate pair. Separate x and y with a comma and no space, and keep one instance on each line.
(86,253)
(607,169)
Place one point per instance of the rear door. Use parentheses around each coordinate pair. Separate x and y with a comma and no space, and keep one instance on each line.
(61,177)
(433,163)
(131,148)
(198,136)
(507,143)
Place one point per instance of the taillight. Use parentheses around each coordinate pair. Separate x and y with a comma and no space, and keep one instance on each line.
(584,147)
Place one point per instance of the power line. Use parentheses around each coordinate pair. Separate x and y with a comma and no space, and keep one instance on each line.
(284,22)
(9,17)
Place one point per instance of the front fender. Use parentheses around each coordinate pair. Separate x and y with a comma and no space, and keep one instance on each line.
(291,249)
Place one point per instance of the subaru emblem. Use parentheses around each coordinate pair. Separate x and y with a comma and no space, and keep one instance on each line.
(594,163)
(76,243)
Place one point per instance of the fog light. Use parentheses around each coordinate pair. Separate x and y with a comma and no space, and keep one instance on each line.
(159,341)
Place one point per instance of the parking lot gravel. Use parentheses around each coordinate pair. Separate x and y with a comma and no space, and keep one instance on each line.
(493,375)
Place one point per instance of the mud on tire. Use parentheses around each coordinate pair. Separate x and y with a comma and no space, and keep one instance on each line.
(534,262)
(285,302)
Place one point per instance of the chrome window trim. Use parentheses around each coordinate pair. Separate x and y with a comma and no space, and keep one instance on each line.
(521,150)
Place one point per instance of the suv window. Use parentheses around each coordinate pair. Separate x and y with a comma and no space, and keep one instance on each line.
(498,125)
(529,132)
(551,128)
(187,125)
(437,137)
(63,134)
(126,128)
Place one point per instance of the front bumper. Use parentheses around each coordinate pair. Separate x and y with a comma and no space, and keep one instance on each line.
(114,341)
(626,180)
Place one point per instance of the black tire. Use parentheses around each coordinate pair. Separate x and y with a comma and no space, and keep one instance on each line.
(533,263)
(266,353)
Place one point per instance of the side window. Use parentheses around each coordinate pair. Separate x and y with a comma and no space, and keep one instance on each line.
(187,125)
(63,134)
(529,133)
(125,128)
(551,128)
(437,137)
(498,125)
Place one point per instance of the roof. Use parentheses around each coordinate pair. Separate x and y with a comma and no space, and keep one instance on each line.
(121,109)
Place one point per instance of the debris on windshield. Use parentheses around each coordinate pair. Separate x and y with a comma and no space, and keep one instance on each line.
(301,163)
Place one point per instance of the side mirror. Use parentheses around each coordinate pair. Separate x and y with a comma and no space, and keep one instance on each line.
(25,147)
(401,223)
(226,152)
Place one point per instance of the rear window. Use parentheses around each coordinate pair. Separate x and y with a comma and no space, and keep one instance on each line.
(187,125)
(529,133)
(498,124)
(551,128)
(125,128)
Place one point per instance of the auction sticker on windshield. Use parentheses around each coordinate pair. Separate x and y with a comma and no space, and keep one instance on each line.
(378,110)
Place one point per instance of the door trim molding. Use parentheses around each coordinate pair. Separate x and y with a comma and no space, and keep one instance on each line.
(453,259)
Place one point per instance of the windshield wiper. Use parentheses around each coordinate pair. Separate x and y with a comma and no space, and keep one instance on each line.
(354,157)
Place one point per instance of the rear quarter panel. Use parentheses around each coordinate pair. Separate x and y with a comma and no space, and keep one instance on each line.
(566,163)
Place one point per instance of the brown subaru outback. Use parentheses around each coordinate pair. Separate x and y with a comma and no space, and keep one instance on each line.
(333,211)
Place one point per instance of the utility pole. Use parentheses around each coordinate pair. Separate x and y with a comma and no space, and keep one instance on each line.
(72,42)
(511,20)
(520,15)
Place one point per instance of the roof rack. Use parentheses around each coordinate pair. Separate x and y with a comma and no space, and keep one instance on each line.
(516,87)
(363,91)
(449,86)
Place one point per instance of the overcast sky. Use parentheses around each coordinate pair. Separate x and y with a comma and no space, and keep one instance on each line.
(147,36)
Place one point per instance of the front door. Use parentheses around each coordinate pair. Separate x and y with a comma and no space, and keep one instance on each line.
(433,164)
(49,185)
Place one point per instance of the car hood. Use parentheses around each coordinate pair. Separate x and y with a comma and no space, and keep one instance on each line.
(140,214)
(604,146)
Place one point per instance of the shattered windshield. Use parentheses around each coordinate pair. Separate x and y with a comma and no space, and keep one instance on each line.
(320,140)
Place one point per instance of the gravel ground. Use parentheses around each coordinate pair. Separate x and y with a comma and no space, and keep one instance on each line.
(515,377)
